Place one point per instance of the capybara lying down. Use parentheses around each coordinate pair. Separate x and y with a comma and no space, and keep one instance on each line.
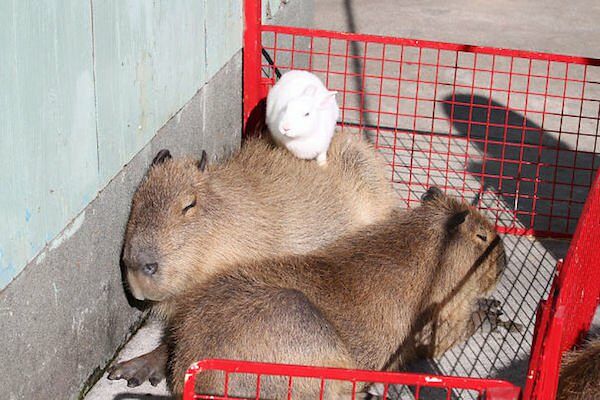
(358,303)
(190,220)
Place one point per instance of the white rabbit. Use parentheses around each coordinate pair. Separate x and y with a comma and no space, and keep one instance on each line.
(301,115)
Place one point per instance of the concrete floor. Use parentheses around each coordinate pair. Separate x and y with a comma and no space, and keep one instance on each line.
(549,26)
(541,25)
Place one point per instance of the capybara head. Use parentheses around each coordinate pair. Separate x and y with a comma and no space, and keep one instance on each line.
(168,214)
(473,253)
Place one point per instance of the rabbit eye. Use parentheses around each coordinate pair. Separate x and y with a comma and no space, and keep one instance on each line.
(482,237)
(307,114)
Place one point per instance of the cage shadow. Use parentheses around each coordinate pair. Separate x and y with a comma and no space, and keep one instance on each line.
(256,125)
(543,179)
(357,66)
(514,372)
(529,170)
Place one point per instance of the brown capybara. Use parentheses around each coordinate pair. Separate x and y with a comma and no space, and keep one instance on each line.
(355,304)
(580,373)
(188,220)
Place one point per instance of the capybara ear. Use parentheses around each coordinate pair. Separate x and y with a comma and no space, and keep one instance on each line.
(431,193)
(457,219)
(476,200)
(161,157)
(203,161)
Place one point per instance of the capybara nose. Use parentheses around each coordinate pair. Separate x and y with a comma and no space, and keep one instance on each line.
(145,261)
(150,268)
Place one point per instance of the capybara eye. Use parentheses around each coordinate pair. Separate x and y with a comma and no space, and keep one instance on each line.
(482,237)
(189,206)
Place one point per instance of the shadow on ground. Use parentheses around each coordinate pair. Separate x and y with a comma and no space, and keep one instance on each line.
(543,180)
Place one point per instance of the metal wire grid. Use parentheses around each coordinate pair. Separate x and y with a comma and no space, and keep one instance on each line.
(518,133)
(418,387)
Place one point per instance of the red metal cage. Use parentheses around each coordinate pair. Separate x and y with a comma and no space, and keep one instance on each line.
(516,130)
(485,389)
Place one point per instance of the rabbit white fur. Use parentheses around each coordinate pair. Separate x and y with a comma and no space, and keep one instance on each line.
(301,115)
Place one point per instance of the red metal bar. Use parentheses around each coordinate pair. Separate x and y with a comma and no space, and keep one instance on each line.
(189,383)
(252,57)
(431,45)
(495,389)
(542,377)
(580,291)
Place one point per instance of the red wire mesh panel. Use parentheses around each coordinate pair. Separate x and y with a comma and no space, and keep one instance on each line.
(565,316)
(418,387)
(579,284)
(517,131)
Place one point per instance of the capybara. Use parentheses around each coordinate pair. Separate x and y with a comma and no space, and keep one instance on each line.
(357,303)
(190,220)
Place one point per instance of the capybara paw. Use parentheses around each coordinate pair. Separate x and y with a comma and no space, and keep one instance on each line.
(489,303)
(136,371)
(489,316)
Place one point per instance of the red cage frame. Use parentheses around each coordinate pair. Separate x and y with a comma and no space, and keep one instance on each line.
(565,316)
(487,389)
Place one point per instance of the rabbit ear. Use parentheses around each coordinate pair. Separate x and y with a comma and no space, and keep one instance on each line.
(310,90)
(327,97)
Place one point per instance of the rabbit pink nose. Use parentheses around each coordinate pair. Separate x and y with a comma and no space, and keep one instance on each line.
(285,128)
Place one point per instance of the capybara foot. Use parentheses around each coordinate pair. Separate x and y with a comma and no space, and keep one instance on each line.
(148,367)
(488,315)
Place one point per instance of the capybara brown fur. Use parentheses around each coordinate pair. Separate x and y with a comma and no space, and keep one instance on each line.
(189,220)
(354,304)
(580,373)
(187,223)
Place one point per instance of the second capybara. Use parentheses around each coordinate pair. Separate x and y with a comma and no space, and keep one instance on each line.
(357,303)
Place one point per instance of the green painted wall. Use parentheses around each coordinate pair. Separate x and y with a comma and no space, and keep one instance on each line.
(222,39)
(150,60)
(48,152)
(84,85)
